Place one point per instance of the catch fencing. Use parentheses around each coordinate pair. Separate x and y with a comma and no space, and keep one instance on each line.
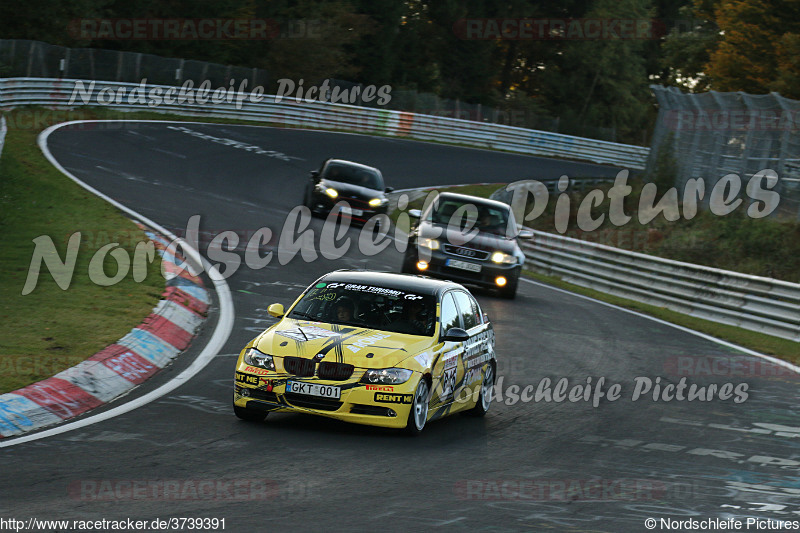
(709,135)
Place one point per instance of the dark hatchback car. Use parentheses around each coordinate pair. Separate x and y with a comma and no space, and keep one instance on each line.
(467,239)
(337,180)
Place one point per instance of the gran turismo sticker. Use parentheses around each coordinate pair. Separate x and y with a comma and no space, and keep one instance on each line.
(383,397)
(307,333)
(366,288)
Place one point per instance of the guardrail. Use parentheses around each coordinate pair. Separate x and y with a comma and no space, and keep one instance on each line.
(751,302)
(313,114)
(3,130)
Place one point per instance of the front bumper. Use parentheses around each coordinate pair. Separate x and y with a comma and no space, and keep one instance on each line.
(323,204)
(360,403)
(440,266)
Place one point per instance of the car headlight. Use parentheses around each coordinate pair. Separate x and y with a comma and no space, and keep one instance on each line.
(254,357)
(433,244)
(375,202)
(505,259)
(386,376)
(333,193)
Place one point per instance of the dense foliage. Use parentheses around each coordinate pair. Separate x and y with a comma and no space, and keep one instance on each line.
(580,83)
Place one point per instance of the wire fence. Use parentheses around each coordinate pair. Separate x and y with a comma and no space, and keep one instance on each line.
(710,135)
(34,59)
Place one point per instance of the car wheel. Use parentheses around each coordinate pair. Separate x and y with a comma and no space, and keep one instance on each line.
(247,414)
(486,394)
(418,414)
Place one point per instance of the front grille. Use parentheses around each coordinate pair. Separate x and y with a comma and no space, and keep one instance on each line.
(312,402)
(463,251)
(334,371)
(457,273)
(356,203)
(299,366)
(373,410)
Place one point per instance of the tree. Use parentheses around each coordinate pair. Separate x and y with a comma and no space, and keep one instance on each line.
(739,45)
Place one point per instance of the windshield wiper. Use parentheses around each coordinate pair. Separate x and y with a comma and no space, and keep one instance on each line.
(302,315)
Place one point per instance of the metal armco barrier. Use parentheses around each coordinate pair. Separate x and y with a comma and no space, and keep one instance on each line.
(759,304)
(16,92)
(3,130)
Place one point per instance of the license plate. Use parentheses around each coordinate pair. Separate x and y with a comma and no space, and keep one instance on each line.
(463,265)
(314,389)
(350,211)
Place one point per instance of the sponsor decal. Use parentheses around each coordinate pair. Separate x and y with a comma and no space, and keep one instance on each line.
(254,370)
(471,375)
(450,359)
(388,388)
(307,333)
(382,397)
(247,379)
(424,359)
(363,342)
(478,361)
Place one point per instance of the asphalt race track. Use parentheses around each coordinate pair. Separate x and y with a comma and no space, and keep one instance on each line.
(526,466)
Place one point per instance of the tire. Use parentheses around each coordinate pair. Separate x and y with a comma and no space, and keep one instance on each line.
(248,414)
(486,394)
(418,414)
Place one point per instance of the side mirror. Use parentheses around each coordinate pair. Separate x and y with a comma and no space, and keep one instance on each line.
(276,310)
(525,233)
(315,175)
(389,189)
(414,213)
(456,335)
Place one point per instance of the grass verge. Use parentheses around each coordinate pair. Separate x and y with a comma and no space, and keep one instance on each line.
(51,329)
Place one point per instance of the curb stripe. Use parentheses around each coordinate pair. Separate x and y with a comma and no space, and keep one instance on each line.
(218,338)
(60,397)
(167,331)
(118,368)
(144,343)
(126,363)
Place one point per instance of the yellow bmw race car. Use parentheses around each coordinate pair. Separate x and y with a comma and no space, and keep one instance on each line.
(391,350)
